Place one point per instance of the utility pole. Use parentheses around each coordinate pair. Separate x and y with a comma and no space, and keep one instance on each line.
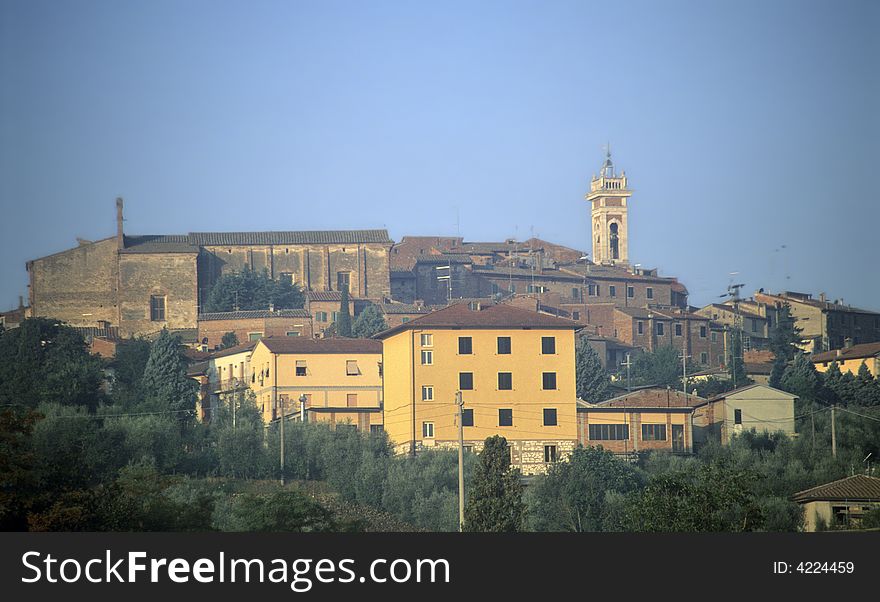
(684,374)
(459,401)
(627,363)
(833,432)
(282,442)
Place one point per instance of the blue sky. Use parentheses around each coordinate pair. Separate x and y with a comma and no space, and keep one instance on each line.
(742,126)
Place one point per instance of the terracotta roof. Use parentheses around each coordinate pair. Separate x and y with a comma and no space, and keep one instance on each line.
(254,313)
(653,398)
(826,305)
(857,487)
(333,345)
(762,368)
(406,308)
(863,350)
(249,346)
(460,315)
(324,296)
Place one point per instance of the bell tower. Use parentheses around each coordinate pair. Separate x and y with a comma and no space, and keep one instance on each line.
(608,214)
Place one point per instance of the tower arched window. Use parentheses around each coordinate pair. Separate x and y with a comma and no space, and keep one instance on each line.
(613,239)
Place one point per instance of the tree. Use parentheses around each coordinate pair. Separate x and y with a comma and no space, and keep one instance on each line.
(288,511)
(800,378)
(660,368)
(714,498)
(784,339)
(593,381)
(343,322)
(247,290)
(230,339)
(369,322)
(45,361)
(17,479)
(240,446)
(867,387)
(495,500)
(572,496)
(165,383)
(128,371)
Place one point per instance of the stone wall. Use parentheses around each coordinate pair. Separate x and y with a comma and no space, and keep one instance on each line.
(78,285)
(172,275)
(312,267)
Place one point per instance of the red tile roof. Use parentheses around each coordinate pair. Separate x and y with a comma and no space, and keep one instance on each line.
(855,352)
(857,487)
(333,345)
(653,398)
(494,316)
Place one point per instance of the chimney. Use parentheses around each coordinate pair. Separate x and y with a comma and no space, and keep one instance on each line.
(847,343)
(120,237)
(271,308)
(822,297)
(20,302)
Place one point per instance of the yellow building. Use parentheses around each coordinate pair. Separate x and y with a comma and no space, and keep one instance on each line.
(840,504)
(338,380)
(850,359)
(515,369)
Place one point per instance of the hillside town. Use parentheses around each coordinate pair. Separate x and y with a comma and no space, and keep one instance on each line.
(456,341)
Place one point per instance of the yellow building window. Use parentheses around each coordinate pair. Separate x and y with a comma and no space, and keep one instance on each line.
(428,430)
(427,340)
(351,400)
(427,357)
(300,367)
(351,368)
(427,393)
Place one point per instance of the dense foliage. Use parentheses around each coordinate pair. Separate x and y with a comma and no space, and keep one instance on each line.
(369,322)
(593,382)
(134,459)
(249,289)
(494,500)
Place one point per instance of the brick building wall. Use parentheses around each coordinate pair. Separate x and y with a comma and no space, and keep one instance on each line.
(173,276)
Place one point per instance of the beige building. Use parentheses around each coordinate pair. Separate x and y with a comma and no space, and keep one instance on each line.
(850,358)
(336,380)
(753,407)
(824,324)
(840,504)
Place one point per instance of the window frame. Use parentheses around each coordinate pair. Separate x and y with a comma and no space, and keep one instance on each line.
(552,344)
(544,376)
(498,349)
(461,383)
(156,310)
(427,392)
(470,345)
(505,417)
(509,380)
(551,412)
(427,354)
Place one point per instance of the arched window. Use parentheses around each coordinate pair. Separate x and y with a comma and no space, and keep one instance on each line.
(615,252)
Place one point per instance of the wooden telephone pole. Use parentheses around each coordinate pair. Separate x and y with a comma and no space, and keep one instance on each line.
(459,402)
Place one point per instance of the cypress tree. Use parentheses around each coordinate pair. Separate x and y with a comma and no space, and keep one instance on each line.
(165,383)
(343,322)
(495,502)
(592,379)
